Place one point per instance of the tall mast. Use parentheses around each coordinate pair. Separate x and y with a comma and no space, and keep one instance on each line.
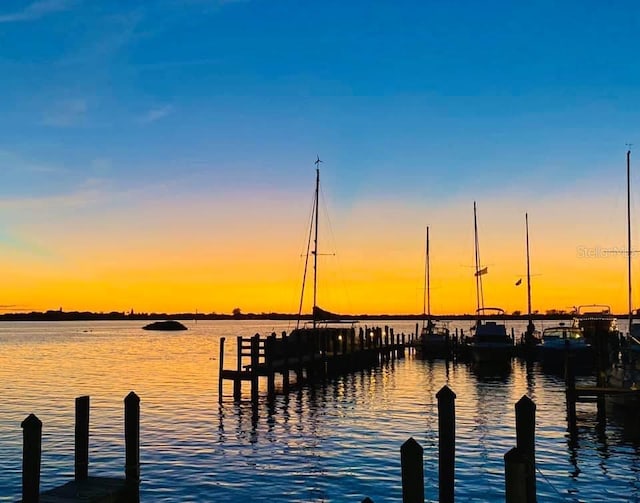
(478,280)
(428,279)
(315,242)
(629,235)
(530,326)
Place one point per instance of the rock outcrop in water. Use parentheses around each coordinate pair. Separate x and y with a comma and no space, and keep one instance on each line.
(169,325)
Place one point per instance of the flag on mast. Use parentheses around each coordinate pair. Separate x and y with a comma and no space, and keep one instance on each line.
(482,271)
(519,282)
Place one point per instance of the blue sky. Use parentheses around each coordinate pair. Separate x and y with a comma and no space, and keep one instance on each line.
(108,104)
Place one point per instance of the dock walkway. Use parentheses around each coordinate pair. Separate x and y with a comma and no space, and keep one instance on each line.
(308,354)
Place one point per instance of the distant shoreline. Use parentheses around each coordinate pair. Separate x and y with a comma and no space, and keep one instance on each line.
(113,316)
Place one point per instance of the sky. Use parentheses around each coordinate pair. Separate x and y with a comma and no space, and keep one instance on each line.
(159,155)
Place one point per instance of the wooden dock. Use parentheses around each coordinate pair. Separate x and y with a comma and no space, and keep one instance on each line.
(308,355)
(83,489)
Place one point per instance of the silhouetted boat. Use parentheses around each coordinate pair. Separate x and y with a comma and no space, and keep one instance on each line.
(559,341)
(325,325)
(595,320)
(489,338)
(434,338)
(168,326)
(531,337)
(624,373)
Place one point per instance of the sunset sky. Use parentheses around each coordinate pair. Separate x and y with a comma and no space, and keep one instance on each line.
(158,156)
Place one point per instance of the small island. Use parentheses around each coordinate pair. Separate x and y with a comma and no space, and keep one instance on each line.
(168,325)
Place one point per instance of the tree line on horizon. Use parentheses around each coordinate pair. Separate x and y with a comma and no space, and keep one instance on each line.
(237,314)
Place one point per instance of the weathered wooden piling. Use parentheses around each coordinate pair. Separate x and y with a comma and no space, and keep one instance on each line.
(132,437)
(31,456)
(82,438)
(525,441)
(515,476)
(411,460)
(446,443)
(220,368)
(255,361)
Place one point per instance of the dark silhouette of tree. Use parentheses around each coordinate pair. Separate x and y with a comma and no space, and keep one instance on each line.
(236,312)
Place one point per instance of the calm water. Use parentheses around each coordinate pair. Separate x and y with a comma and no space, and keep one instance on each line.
(334,442)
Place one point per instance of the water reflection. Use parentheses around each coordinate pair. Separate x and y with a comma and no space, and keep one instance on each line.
(492,372)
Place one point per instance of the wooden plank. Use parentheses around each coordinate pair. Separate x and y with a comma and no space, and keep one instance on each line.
(234,375)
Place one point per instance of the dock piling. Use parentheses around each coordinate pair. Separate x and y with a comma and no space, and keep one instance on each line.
(31,456)
(515,476)
(446,443)
(525,442)
(82,438)
(411,460)
(132,437)
(220,369)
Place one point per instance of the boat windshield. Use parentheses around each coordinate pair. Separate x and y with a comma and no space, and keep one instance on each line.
(562,333)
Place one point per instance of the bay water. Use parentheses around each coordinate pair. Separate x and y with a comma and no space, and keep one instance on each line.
(336,441)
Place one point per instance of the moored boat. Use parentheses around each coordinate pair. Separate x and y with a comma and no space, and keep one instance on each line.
(560,341)
(434,340)
(490,340)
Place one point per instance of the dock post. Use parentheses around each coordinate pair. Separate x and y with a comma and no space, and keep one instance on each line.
(285,369)
(525,441)
(82,439)
(446,443)
(515,476)
(269,346)
(220,369)
(412,472)
(31,455)
(237,382)
(132,438)
(255,360)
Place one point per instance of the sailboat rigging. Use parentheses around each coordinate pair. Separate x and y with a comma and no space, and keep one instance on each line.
(317,314)
(531,337)
(435,336)
(426,306)
(490,340)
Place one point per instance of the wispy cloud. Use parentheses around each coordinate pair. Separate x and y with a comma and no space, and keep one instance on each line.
(38,9)
(155,114)
(65,113)
(13,162)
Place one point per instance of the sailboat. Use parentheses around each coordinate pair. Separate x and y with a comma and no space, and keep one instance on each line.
(324,324)
(489,340)
(625,374)
(531,335)
(434,337)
